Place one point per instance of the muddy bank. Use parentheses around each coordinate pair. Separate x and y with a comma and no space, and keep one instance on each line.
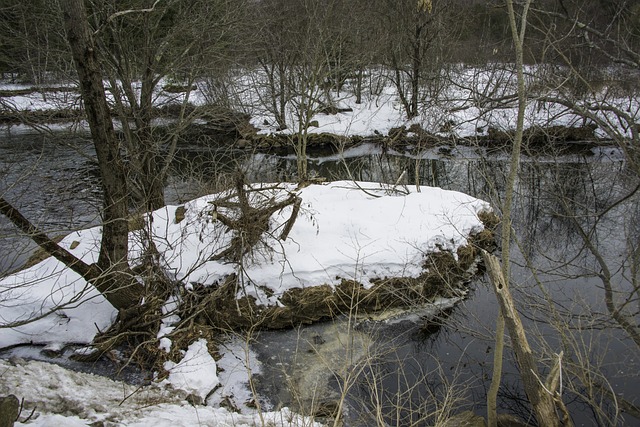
(215,126)
(537,140)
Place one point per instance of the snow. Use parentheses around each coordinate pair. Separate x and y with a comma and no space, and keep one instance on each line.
(345,230)
(68,398)
(347,233)
(353,230)
(168,320)
(196,372)
(461,102)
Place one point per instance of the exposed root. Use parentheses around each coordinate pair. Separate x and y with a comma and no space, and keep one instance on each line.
(252,222)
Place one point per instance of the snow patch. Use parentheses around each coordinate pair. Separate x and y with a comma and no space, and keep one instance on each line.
(196,372)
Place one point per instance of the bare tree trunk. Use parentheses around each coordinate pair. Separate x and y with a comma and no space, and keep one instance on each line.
(44,241)
(114,248)
(119,296)
(542,400)
(9,410)
(496,377)
(359,86)
(281,116)
(492,396)
(416,65)
(150,159)
(543,403)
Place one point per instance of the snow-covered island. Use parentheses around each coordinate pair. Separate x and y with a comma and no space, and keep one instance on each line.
(382,246)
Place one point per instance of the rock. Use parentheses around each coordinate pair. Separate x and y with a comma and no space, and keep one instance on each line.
(17,361)
(314,124)
(228,403)
(180,211)
(318,340)
(195,400)
(332,110)
(54,350)
(9,410)
(51,353)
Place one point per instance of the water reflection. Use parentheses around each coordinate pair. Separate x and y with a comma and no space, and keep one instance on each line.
(55,185)
(556,279)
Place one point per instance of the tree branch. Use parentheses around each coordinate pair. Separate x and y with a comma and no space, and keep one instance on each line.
(88,272)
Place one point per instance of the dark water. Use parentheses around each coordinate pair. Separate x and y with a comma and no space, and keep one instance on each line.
(412,364)
(64,357)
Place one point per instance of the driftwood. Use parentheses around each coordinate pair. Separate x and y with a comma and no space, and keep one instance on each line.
(544,396)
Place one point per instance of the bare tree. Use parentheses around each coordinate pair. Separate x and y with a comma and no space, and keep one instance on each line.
(151,53)
(416,47)
(276,55)
(542,396)
(303,62)
(145,47)
(604,97)
(597,50)
(111,274)
(33,44)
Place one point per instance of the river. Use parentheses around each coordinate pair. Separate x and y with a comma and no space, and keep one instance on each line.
(409,364)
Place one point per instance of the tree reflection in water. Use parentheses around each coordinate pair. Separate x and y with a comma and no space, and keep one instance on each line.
(576,221)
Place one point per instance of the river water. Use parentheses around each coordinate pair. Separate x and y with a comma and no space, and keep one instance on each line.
(404,372)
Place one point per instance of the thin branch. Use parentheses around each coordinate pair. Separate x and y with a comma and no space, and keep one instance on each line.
(127,12)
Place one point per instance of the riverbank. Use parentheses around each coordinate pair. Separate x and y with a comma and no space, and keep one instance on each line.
(226,127)
(378,119)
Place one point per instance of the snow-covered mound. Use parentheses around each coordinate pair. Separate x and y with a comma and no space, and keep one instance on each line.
(345,230)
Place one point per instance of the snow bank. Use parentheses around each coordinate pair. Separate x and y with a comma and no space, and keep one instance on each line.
(67,398)
(458,109)
(196,372)
(363,231)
